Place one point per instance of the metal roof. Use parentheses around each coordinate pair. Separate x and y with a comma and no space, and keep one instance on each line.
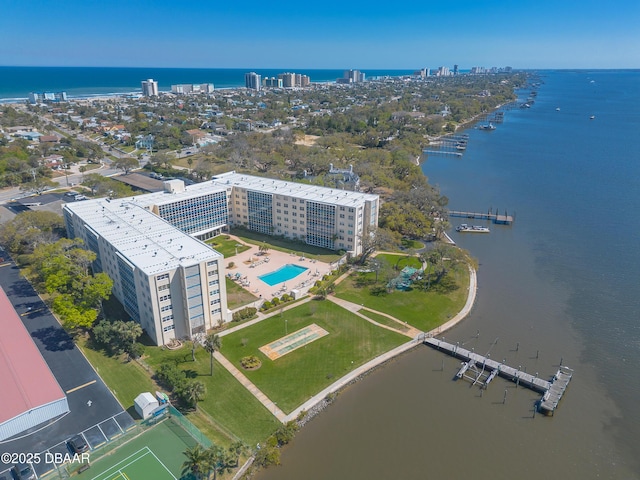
(308,192)
(147,241)
(25,378)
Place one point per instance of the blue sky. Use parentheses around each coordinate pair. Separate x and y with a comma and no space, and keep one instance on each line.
(330,34)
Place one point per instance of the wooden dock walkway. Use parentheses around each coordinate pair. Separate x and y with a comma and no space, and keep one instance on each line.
(551,390)
(494,217)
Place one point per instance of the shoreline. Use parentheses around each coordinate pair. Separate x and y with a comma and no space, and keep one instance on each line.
(325,397)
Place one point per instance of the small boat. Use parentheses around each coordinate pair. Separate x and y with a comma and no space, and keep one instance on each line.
(592,117)
(488,126)
(472,228)
(557,109)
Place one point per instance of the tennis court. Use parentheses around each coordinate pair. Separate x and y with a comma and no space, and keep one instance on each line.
(157,453)
(139,465)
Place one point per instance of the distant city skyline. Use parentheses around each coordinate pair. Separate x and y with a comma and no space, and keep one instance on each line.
(356,34)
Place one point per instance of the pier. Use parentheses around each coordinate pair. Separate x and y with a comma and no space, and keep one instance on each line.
(481,370)
(494,217)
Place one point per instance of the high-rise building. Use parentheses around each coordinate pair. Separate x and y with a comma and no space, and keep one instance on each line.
(169,282)
(187,88)
(252,81)
(150,88)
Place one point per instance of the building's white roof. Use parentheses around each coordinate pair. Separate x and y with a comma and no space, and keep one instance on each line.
(312,193)
(145,399)
(144,239)
(161,198)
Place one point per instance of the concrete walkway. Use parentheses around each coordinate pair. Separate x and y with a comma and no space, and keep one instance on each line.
(255,391)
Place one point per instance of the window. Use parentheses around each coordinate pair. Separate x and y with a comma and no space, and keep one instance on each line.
(168,328)
(167,318)
(163,287)
(164,298)
(215,301)
(163,277)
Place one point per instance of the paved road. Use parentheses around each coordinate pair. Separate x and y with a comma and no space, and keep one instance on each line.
(90,401)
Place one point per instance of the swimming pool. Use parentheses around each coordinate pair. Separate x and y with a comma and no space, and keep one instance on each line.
(283,274)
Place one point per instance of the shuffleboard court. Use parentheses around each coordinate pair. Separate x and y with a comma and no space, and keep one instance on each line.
(293,341)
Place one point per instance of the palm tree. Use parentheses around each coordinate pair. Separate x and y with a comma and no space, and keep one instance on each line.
(193,392)
(212,343)
(197,462)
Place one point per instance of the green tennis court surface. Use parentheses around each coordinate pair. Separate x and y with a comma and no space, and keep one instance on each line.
(141,464)
(156,453)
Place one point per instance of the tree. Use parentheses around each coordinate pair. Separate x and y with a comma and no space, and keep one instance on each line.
(118,336)
(197,462)
(38,185)
(29,229)
(191,392)
(126,164)
(212,343)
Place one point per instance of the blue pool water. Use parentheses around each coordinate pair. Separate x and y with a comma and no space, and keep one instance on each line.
(282,274)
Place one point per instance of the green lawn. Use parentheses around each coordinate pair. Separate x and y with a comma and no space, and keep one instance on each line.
(227,402)
(383,320)
(237,296)
(125,379)
(227,246)
(286,245)
(294,378)
(423,310)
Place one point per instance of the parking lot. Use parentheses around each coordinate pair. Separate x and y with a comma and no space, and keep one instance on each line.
(94,411)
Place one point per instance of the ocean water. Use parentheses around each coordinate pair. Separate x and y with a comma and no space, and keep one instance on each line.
(561,284)
(17,82)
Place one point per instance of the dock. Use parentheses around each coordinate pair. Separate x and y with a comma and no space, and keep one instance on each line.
(494,217)
(481,370)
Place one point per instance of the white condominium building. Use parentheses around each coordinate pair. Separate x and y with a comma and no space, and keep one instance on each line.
(169,282)
(324,217)
(172,283)
(150,88)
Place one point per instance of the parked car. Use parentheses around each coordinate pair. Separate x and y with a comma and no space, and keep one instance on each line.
(77,444)
(22,472)
(80,197)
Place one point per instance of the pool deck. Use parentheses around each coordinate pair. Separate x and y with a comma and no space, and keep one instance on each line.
(250,265)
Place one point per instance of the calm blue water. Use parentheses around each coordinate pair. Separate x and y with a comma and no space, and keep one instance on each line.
(562,283)
(283,274)
(17,82)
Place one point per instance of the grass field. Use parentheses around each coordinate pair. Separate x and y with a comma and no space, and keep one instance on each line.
(232,407)
(157,454)
(227,245)
(285,245)
(423,310)
(292,379)
(237,296)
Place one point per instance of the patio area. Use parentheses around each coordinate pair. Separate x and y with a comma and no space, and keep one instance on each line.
(251,264)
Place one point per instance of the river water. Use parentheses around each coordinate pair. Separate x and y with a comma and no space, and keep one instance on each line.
(562,283)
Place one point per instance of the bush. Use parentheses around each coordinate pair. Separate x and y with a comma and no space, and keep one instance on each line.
(250,362)
(231,265)
(286,432)
(275,301)
(266,305)
(171,376)
(286,297)
(244,314)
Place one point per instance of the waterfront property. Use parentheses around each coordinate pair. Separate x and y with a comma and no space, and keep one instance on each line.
(481,370)
(323,217)
(169,281)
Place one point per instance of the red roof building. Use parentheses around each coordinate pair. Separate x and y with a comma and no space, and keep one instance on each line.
(31,394)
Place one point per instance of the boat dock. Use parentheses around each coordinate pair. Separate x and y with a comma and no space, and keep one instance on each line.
(481,370)
(494,217)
